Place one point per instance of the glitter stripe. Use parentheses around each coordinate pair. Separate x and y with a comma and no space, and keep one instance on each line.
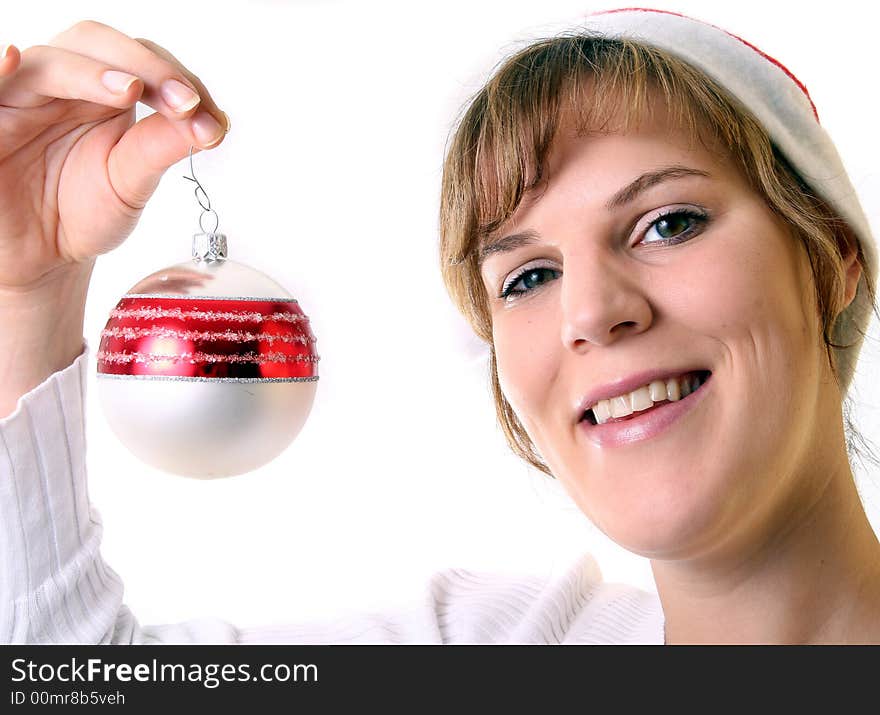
(227,335)
(177,296)
(236,317)
(180,378)
(118,358)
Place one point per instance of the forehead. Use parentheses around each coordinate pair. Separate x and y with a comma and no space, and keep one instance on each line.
(604,168)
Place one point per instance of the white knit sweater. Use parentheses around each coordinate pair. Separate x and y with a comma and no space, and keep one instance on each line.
(56,588)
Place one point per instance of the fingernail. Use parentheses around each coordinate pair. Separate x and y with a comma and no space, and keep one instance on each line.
(228,122)
(118,82)
(4,50)
(206,129)
(178,96)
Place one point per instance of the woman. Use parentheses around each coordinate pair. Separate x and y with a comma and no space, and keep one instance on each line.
(652,277)
(621,233)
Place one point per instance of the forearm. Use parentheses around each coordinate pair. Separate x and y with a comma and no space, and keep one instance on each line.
(41,328)
(54,587)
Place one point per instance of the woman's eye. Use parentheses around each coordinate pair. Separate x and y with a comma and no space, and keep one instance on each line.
(674,227)
(527,281)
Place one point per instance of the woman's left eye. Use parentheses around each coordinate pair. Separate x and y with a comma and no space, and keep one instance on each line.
(674,226)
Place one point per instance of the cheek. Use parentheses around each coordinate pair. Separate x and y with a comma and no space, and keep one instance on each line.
(527,360)
(754,297)
(757,307)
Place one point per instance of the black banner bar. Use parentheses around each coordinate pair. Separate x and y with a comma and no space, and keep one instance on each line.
(327,678)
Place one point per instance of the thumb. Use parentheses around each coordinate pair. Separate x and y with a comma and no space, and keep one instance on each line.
(142,155)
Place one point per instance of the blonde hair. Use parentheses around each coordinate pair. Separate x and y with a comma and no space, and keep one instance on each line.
(498,149)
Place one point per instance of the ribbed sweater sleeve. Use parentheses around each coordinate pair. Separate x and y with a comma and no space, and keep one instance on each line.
(56,588)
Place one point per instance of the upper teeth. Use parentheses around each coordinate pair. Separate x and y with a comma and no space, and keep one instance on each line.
(644,397)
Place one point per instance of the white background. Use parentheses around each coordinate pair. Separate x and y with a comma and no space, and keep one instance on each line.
(329,181)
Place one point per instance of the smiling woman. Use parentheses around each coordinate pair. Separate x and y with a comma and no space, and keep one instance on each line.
(649,227)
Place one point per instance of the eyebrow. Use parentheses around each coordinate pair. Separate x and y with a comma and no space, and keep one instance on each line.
(626,195)
(508,243)
(651,178)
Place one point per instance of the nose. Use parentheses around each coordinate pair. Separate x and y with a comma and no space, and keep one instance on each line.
(602,302)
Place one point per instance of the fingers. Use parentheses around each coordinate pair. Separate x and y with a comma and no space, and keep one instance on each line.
(44,73)
(168,87)
(207,102)
(9,59)
(98,64)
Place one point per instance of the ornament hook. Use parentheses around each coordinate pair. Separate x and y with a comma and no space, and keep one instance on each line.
(202,198)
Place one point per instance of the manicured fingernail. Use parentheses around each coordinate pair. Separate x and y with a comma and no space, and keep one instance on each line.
(118,82)
(228,122)
(178,96)
(206,129)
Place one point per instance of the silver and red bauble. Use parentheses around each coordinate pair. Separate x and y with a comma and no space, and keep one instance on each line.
(207,368)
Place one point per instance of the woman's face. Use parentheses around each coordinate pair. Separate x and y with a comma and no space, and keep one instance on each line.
(644,260)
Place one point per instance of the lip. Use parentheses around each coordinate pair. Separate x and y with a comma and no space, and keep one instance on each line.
(628,384)
(644,425)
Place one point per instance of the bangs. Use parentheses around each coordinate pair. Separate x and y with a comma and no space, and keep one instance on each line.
(591,84)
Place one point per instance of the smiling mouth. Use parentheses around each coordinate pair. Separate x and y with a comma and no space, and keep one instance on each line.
(645,398)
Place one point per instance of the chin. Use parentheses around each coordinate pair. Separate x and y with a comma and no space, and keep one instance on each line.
(663,514)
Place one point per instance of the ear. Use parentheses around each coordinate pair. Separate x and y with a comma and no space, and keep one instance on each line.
(848,244)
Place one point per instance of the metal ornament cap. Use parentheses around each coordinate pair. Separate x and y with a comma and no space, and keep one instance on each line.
(209,247)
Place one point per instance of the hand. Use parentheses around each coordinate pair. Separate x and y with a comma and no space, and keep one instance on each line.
(75,168)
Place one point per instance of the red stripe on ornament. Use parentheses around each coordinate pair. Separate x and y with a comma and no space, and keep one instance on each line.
(187,337)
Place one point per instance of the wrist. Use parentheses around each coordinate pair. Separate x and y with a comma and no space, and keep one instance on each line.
(41,328)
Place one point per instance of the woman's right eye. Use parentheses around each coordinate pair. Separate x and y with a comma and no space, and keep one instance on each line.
(527,280)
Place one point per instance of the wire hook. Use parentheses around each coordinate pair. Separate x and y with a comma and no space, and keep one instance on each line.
(202,197)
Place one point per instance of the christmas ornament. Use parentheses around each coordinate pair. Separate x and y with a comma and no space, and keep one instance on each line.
(207,368)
